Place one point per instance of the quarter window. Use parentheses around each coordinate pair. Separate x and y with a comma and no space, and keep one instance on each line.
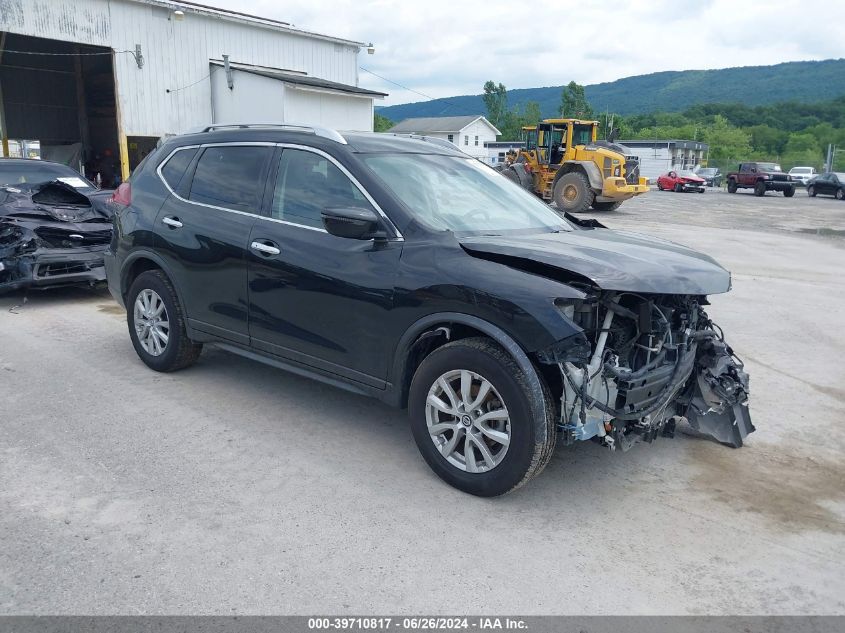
(174,169)
(306,184)
(230,177)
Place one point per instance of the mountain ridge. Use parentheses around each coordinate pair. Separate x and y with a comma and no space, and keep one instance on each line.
(667,91)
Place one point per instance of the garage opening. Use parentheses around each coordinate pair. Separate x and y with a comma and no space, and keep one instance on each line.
(57,102)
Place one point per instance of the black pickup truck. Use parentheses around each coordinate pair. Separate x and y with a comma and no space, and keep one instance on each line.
(761,177)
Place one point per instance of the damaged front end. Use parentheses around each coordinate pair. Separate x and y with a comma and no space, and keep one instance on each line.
(642,363)
(51,235)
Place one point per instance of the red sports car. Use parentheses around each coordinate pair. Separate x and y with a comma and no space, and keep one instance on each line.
(680,181)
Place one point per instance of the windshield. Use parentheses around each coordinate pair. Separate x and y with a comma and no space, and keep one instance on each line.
(768,167)
(582,134)
(707,171)
(462,195)
(35,172)
(801,170)
(687,173)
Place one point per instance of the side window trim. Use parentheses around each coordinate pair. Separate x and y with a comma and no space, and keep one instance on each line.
(187,180)
(390,225)
(263,210)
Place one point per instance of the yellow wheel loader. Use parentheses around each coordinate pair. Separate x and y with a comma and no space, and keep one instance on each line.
(563,162)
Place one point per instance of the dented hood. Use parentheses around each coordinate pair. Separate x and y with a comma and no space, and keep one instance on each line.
(613,260)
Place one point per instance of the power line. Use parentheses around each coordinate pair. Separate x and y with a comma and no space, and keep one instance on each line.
(171,90)
(390,81)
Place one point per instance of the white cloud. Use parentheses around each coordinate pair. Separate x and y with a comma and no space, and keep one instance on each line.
(444,48)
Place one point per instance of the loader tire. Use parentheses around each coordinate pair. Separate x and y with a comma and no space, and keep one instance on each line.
(572,193)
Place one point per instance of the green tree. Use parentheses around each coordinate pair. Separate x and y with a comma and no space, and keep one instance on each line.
(496,101)
(573,102)
(802,149)
(381,123)
(727,142)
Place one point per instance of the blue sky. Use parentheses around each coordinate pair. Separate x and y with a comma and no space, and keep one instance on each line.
(443,48)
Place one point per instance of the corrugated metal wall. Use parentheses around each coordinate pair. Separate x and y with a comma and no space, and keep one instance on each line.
(176,54)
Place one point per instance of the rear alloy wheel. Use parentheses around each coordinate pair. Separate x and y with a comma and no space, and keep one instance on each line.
(732,186)
(760,188)
(840,194)
(811,191)
(472,418)
(607,206)
(572,193)
(157,324)
(788,193)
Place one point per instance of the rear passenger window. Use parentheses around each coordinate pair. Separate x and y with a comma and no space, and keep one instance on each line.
(307,183)
(230,177)
(175,167)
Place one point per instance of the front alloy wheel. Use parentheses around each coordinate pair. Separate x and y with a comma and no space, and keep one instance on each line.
(477,420)
(151,323)
(467,421)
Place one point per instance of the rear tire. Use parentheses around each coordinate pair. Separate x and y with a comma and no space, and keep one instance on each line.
(811,191)
(160,340)
(788,193)
(607,206)
(572,193)
(529,442)
(731,186)
(760,189)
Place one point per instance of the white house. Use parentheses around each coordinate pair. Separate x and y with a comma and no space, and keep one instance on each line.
(111,77)
(469,133)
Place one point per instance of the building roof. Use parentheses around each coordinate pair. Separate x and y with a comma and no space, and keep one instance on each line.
(238,16)
(651,142)
(438,124)
(300,79)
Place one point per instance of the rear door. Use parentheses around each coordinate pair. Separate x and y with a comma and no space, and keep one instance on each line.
(202,232)
(315,298)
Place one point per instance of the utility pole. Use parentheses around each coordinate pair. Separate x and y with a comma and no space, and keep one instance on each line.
(828,164)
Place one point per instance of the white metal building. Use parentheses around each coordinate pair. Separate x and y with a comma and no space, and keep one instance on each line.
(497,150)
(469,133)
(659,156)
(116,75)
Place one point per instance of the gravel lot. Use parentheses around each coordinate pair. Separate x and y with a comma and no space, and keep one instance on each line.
(236,488)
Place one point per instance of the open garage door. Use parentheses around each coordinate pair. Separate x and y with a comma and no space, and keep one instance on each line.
(62,96)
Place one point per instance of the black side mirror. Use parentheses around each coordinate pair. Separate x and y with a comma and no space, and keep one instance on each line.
(353,223)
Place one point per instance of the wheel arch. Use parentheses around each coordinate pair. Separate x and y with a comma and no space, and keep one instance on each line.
(141,261)
(443,327)
(586,167)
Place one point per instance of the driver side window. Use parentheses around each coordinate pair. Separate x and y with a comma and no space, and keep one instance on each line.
(307,183)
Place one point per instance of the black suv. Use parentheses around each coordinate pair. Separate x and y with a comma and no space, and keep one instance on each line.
(400,268)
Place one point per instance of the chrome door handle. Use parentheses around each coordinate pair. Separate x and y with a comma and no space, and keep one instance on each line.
(171,222)
(264,248)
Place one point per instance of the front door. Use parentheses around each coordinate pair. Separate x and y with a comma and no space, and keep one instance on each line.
(202,231)
(315,298)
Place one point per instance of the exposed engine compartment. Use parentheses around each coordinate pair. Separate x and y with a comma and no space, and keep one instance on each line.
(641,364)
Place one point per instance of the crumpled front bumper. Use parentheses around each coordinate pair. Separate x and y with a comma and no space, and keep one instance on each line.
(49,267)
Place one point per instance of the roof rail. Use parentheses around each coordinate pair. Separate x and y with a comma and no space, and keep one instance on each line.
(317,130)
(428,139)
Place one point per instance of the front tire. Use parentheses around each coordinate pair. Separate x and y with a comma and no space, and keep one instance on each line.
(572,193)
(607,206)
(472,418)
(788,193)
(840,194)
(811,191)
(760,189)
(678,187)
(156,323)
